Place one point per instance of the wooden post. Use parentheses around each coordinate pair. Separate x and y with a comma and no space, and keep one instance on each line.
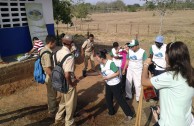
(148,29)
(131,29)
(106,27)
(138,117)
(138,29)
(116,28)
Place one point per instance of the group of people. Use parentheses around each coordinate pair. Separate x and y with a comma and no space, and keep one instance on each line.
(173,78)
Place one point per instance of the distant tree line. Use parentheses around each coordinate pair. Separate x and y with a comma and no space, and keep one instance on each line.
(65,10)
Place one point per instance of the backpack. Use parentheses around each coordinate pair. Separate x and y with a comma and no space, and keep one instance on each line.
(58,76)
(39,74)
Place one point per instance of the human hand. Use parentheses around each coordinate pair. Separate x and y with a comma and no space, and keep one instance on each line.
(123,72)
(105,78)
(155,115)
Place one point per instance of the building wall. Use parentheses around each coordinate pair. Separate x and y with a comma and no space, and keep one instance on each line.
(14,32)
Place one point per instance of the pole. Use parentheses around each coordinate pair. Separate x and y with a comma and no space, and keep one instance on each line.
(138,117)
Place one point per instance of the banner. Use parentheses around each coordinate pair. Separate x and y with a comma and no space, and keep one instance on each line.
(36,22)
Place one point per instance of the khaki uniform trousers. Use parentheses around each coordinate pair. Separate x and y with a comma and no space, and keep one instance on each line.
(86,58)
(68,103)
(51,96)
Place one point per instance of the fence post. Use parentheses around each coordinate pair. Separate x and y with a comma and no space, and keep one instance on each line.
(138,29)
(131,29)
(88,27)
(116,28)
(148,29)
(106,27)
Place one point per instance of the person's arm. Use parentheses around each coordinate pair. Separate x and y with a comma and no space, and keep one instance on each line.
(93,73)
(126,64)
(31,51)
(83,48)
(48,70)
(68,67)
(68,79)
(145,80)
(111,76)
(151,53)
(125,67)
(115,69)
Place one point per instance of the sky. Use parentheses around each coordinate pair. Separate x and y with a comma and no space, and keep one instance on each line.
(127,2)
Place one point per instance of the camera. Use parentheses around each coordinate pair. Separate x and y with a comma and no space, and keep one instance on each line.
(151,68)
(153,107)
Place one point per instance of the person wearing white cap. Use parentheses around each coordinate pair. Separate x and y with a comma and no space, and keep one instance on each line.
(157,54)
(135,58)
(68,101)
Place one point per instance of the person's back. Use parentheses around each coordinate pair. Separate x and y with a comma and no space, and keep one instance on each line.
(175,85)
(175,100)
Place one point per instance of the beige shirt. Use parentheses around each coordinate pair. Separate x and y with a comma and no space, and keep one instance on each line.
(46,62)
(46,59)
(68,65)
(88,46)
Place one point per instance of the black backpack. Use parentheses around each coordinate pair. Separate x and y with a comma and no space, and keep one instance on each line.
(58,76)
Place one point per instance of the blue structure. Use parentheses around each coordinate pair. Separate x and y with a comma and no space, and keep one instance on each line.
(14,31)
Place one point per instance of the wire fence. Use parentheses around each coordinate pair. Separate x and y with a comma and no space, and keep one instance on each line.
(130,29)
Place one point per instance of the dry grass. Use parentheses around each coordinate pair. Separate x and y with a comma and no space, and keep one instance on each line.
(177,26)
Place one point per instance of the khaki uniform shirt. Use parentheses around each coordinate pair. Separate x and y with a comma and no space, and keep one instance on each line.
(88,46)
(46,61)
(68,65)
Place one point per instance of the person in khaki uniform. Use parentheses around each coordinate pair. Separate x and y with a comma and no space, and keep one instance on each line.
(47,64)
(88,52)
(68,101)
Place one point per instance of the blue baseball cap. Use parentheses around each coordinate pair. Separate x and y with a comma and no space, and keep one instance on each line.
(159,39)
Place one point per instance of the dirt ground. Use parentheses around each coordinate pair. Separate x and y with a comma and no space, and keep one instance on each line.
(28,107)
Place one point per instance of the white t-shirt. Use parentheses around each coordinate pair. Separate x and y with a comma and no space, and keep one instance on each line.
(108,69)
(175,99)
(159,56)
(116,61)
(136,59)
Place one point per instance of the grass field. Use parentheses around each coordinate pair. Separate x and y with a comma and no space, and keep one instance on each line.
(124,26)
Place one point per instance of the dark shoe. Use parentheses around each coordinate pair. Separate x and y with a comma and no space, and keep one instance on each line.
(84,73)
(111,113)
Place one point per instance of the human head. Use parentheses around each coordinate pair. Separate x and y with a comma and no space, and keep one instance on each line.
(159,41)
(115,45)
(91,37)
(134,45)
(67,40)
(51,41)
(126,47)
(178,59)
(35,38)
(101,55)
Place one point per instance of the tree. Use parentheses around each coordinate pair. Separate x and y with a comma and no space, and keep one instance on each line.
(62,13)
(162,7)
(81,10)
(118,4)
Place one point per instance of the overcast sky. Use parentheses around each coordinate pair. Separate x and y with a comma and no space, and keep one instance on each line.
(127,2)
